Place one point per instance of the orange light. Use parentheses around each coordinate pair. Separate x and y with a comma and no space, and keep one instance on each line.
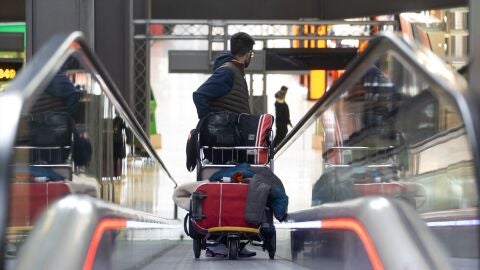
(295,42)
(104,225)
(305,80)
(318,84)
(362,46)
(322,31)
(295,30)
(305,43)
(75,45)
(357,227)
(312,31)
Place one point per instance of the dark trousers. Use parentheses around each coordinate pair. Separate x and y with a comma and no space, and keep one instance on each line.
(280,135)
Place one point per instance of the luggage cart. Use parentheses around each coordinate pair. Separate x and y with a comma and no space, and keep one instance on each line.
(214,158)
(209,220)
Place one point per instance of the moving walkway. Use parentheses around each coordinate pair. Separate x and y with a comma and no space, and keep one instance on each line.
(398,125)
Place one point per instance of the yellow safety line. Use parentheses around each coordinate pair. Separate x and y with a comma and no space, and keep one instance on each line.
(233,229)
(19,228)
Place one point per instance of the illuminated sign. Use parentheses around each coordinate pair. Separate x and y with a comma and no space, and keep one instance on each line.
(9,68)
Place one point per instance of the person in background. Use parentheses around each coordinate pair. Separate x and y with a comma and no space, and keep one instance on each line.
(282,115)
(226,89)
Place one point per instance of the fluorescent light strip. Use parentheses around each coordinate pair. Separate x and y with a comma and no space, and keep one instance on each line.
(149,225)
(453,223)
(299,225)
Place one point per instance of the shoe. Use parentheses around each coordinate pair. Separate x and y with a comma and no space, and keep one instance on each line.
(244,252)
(219,250)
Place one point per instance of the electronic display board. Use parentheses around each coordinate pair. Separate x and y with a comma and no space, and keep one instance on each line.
(9,68)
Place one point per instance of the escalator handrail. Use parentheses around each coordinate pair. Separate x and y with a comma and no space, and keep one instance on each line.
(424,62)
(442,80)
(54,242)
(47,61)
(392,234)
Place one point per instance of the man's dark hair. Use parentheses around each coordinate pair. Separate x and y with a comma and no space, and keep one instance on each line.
(241,43)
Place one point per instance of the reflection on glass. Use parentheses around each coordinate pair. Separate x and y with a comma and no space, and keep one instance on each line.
(50,145)
(391,134)
(74,140)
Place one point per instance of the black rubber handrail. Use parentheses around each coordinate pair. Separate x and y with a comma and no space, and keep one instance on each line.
(424,63)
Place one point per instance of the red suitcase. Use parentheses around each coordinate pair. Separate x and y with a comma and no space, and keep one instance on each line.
(220,205)
(29,200)
(217,212)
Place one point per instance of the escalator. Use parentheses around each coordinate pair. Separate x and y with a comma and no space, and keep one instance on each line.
(386,164)
(397,124)
(77,141)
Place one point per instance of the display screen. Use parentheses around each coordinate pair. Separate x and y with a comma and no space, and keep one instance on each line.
(9,68)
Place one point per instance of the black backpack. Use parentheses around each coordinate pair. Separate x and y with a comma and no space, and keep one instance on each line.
(192,149)
(220,129)
(215,129)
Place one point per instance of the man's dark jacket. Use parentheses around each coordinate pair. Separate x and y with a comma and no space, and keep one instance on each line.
(225,90)
(265,189)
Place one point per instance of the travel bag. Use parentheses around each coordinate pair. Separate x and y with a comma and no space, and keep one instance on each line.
(219,205)
(255,131)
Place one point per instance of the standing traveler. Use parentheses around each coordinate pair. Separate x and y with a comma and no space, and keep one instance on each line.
(282,115)
(226,89)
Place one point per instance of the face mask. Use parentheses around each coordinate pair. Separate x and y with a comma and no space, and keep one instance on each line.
(247,62)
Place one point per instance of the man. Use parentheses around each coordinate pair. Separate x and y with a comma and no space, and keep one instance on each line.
(226,89)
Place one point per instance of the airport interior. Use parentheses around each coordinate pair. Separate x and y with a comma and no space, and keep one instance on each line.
(104,162)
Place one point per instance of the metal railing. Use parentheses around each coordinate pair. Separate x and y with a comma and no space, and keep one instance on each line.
(220,30)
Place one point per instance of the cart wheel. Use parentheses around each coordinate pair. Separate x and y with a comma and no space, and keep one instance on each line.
(271,246)
(197,247)
(232,249)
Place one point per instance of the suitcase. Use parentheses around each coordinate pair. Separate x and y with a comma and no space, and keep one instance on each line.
(217,213)
(29,200)
(219,205)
